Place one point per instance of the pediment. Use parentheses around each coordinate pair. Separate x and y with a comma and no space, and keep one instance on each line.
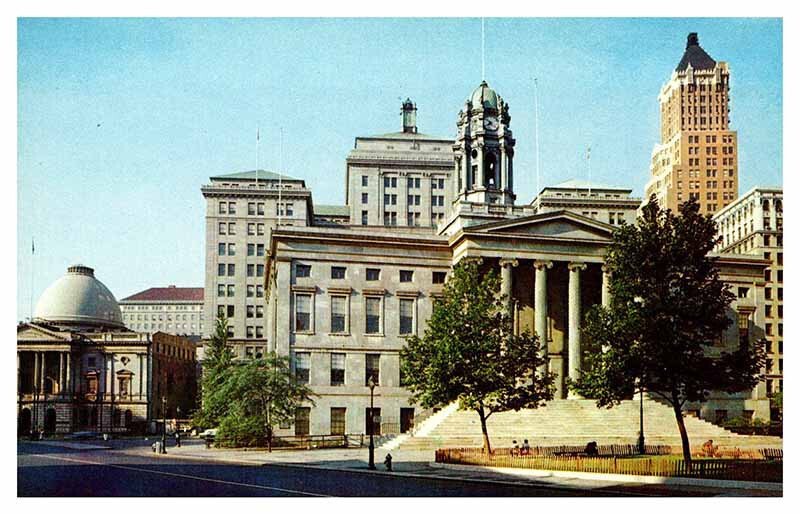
(559,225)
(31,332)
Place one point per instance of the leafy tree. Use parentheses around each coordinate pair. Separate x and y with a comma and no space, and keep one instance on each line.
(668,308)
(217,361)
(469,352)
(260,394)
(776,402)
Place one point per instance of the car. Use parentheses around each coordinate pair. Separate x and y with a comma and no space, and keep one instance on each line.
(209,432)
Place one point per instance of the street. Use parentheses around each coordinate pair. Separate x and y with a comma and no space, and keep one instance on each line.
(127,469)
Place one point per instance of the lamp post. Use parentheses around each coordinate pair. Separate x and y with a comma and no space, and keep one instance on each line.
(641,418)
(164,428)
(371,384)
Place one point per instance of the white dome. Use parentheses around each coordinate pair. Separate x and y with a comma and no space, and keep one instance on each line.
(78,298)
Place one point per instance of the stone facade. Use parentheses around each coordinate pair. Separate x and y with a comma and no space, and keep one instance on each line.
(753,226)
(172,310)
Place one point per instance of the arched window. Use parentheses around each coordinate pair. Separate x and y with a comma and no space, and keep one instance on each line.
(491,175)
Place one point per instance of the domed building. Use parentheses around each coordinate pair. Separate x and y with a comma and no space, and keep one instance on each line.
(79,368)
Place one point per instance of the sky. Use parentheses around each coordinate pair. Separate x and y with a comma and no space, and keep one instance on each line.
(121,121)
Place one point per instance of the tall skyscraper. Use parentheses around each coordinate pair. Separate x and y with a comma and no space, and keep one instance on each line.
(697,155)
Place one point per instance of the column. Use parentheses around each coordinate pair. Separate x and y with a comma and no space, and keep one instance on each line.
(35,372)
(605,298)
(507,282)
(43,362)
(60,372)
(574,299)
(68,380)
(540,306)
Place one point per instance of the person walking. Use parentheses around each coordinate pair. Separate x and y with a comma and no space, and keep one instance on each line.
(177,439)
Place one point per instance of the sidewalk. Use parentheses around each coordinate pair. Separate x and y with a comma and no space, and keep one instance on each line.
(419,464)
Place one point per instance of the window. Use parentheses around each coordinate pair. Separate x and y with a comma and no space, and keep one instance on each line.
(259,332)
(338,314)
(373,308)
(220,289)
(231,208)
(337,369)
(222,228)
(364,181)
(231,270)
(251,311)
(768,293)
(231,229)
(260,226)
(230,290)
(780,276)
(251,249)
(302,417)
(251,270)
(743,292)
(249,335)
(221,249)
(220,312)
(259,270)
(365,217)
(439,277)
(251,229)
(768,329)
(406,275)
(364,197)
(413,182)
(338,272)
(260,208)
(231,311)
(389,181)
(406,316)
(259,311)
(780,258)
(260,250)
(259,291)
(251,208)
(338,415)
(220,270)
(744,327)
(373,368)
(223,207)
(302,366)
(302,316)
(302,270)
(373,274)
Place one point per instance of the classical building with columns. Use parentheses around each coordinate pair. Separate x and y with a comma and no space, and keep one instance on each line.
(79,368)
(340,298)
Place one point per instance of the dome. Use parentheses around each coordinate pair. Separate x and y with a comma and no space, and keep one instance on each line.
(78,298)
(484,96)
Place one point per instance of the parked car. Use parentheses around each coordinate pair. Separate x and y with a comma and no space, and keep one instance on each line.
(209,432)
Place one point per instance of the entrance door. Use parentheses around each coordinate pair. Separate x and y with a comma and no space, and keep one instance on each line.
(24,423)
(373,421)
(50,421)
(406,419)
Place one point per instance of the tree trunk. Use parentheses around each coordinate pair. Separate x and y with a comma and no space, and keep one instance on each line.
(687,451)
(487,447)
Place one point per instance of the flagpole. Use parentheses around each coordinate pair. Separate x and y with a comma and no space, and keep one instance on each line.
(280,178)
(589,162)
(536,130)
(33,252)
(258,155)
(483,49)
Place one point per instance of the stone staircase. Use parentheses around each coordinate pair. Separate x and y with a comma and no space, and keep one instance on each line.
(563,422)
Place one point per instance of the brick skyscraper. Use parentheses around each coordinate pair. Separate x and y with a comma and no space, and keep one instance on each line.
(697,155)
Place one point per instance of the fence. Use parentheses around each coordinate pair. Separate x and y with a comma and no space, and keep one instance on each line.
(720,469)
(606,450)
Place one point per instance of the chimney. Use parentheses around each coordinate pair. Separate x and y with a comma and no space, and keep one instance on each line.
(692,40)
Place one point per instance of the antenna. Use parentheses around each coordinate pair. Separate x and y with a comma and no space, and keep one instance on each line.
(280,178)
(536,130)
(483,49)
(589,163)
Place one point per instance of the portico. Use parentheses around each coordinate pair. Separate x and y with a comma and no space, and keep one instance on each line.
(552,272)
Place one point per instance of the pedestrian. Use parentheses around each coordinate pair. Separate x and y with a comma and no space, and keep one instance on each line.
(515,449)
(177,439)
(526,448)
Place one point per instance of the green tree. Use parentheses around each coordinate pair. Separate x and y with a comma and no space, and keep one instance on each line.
(260,394)
(668,307)
(470,354)
(217,362)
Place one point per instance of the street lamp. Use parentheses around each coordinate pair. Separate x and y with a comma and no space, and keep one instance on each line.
(371,384)
(641,417)
(164,429)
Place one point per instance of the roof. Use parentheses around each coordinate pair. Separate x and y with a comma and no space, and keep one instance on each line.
(79,299)
(167,294)
(583,184)
(331,210)
(253,175)
(695,56)
(406,136)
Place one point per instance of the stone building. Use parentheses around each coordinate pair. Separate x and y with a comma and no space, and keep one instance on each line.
(172,310)
(697,155)
(79,368)
(341,299)
(753,225)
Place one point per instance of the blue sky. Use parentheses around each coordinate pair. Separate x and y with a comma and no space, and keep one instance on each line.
(120,121)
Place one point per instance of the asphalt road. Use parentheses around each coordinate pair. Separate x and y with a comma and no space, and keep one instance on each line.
(56,471)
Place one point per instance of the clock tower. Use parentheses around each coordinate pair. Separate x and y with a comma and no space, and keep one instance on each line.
(484,150)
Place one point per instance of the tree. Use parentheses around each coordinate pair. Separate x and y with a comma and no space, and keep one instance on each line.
(261,394)
(668,308)
(218,359)
(469,352)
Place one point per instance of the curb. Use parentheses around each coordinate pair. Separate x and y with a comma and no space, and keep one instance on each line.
(636,479)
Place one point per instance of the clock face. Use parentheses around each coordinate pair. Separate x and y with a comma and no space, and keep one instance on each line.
(490,123)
